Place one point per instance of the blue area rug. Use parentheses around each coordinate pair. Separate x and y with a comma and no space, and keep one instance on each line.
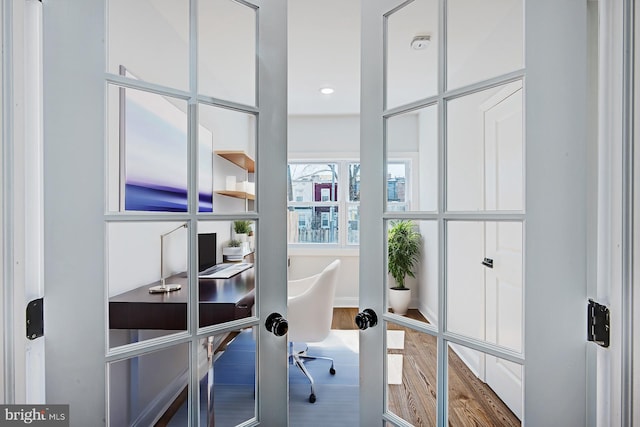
(337,401)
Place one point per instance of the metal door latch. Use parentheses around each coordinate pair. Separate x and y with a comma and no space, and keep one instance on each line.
(598,323)
(487,262)
(35,319)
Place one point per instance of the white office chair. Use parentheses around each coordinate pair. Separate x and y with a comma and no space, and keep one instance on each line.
(310,312)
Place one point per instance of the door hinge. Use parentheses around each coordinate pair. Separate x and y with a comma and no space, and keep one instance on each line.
(598,323)
(35,319)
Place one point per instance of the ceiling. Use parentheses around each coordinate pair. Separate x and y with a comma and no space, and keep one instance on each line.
(324,50)
(484,40)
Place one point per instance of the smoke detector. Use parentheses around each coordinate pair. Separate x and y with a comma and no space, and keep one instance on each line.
(420,42)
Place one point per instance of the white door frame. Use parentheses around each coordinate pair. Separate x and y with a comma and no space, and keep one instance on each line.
(634,78)
(629,233)
(613,386)
(22,197)
(7,394)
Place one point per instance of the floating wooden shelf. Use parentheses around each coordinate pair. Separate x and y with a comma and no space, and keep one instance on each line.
(239,158)
(237,194)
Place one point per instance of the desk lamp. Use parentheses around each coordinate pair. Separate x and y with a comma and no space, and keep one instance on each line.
(163,286)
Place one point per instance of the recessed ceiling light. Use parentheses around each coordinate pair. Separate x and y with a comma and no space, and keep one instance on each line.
(326,90)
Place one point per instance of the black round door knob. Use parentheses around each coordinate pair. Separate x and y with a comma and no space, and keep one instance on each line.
(366,318)
(277,324)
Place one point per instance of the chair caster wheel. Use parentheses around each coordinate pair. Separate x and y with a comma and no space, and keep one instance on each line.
(332,371)
(312,398)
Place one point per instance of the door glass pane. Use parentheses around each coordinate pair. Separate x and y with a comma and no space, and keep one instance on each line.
(227,373)
(484,40)
(485,156)
(412,53)
(147,145)
(412,160)
(154,49)
(140,255)
(411,378)
(226,278)
(227,51)
(485,281)
(146,390)
(418,241)
(483,389)
(227,146)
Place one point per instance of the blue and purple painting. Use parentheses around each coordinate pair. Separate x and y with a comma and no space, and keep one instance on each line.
(155,142)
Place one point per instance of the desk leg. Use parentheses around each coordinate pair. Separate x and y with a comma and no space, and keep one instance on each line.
(134,375)
(210,411)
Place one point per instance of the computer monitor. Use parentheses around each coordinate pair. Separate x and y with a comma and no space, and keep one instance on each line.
(207,247)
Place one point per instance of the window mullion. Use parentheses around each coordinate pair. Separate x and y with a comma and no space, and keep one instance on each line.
(343,197)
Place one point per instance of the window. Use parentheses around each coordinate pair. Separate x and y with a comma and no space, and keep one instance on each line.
(324,199)
(313,202)
(397,199)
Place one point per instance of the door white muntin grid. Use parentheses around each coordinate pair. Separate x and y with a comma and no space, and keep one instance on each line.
(443,216)
(194,334)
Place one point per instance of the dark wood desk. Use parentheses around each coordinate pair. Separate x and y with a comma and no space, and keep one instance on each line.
(220,300)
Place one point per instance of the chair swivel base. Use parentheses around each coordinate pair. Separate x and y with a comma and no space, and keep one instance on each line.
(299,358)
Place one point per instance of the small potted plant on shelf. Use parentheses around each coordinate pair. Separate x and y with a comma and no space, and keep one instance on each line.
(404,244)
(242,227)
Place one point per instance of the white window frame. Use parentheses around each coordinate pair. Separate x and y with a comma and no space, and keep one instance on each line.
(343,203)
(341,196)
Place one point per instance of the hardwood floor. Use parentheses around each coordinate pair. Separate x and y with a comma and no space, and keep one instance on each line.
(471,402)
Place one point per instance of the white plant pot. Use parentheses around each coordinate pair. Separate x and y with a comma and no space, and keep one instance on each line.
(232,251)
(399,300)
(241,236)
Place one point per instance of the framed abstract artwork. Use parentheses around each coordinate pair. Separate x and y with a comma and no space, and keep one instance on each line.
(154,153)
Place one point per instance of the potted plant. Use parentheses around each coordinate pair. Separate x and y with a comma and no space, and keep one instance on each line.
(403,244)
(242,227)
(233,249)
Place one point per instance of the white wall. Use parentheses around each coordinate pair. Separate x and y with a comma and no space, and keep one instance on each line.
(314,134)
(427,274)
(134,251)
(428,199)
(307,262)
(322,137)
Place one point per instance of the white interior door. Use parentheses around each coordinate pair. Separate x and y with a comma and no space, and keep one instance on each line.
(503,241)
(537,233)
(103,60)
(504,310)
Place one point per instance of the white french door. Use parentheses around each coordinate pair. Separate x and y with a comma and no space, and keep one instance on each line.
(139,99)
(79,218)
(503,270)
